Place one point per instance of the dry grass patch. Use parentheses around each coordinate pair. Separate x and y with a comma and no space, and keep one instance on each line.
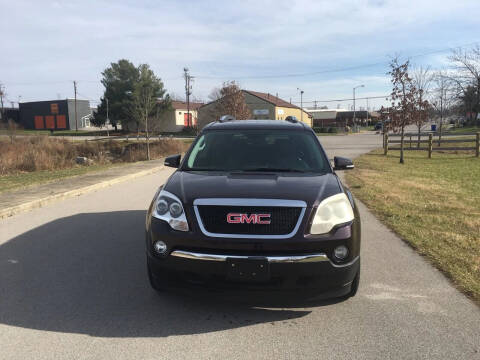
(38,153)
(433,204)
(38,159)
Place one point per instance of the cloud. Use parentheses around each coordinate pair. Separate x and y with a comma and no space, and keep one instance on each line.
(66,40)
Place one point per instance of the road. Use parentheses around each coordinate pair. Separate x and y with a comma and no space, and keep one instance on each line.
(73,285)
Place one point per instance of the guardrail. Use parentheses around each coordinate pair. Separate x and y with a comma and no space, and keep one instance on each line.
(412,142)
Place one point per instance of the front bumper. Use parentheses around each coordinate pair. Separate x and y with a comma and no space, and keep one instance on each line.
(302,262)
(301,272)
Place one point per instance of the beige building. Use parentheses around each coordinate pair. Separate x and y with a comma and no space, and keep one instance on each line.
(261,105)
(177,118)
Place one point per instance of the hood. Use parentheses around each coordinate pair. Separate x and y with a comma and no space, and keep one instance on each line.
(312,189)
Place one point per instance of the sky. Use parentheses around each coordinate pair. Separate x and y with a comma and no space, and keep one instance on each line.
(324,48)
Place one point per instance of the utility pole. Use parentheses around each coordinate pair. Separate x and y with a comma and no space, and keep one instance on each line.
(75,91)
(2,94)
(367,111)
(188,92)
(354,119)
(315,102)
(301,104)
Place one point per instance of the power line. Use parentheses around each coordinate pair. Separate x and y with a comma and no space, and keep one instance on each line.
(348,99)
(326,71)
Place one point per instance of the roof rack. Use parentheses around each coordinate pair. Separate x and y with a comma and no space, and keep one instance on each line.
(292,119)
(226,118)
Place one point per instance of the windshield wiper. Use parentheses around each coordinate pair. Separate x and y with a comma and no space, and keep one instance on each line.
(268,169)
(203,169)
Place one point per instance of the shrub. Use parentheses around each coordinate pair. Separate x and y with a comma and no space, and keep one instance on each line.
(33,153)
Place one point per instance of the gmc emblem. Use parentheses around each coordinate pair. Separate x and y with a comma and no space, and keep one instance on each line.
(236,218)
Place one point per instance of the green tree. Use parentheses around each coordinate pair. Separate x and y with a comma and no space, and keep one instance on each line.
(469,104)
(119,81)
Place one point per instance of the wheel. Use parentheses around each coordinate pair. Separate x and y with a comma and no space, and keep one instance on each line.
(355,284)
(157,283)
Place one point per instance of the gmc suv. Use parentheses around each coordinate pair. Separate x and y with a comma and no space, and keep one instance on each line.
(255,204)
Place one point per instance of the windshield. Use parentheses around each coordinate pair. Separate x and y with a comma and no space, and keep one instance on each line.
(257,151)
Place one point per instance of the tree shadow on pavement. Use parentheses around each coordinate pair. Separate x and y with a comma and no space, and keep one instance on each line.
(86,274)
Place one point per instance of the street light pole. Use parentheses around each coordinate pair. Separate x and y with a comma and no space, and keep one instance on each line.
(354,119)
(301,104)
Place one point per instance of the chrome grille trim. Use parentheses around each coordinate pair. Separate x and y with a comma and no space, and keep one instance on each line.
(249,202)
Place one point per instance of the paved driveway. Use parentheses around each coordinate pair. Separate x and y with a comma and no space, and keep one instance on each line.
(73,285)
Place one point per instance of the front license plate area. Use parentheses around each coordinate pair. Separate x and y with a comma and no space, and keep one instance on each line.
(249,270)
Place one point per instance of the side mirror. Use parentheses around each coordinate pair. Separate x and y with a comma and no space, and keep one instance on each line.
(172,161)
(341,163)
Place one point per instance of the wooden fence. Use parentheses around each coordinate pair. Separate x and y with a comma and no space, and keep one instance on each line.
(411,142)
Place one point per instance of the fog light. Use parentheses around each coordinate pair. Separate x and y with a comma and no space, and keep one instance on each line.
(340,252)
(160,247)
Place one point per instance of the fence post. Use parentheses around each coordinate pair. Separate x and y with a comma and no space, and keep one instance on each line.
(430,145)
(477,145)
(410,141)
(385,149)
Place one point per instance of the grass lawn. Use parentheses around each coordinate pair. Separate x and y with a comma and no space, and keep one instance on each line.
(433,204)
(464,130)
(11,182)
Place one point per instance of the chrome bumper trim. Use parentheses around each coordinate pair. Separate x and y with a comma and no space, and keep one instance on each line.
(271,259)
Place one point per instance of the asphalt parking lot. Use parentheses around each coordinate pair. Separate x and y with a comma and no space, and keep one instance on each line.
(73,285)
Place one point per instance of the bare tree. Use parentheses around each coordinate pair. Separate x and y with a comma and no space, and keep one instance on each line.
(176,97)
(215,94)
(402,98)
(442,98)
(12,130)
(146,95)
(232,101)
(466,76)
(422,79)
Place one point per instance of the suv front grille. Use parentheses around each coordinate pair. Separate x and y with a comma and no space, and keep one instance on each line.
(284,220)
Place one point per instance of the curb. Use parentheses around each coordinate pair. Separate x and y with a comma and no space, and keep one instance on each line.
(77,192)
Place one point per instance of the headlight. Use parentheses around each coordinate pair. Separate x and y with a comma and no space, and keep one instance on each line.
(169,208)
(332,211)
